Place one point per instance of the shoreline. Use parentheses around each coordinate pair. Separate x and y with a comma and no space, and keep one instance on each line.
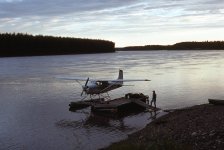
(197,127)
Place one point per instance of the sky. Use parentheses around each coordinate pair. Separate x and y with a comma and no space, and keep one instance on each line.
(125,22)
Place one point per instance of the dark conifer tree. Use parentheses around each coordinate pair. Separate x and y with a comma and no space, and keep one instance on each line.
(12,44)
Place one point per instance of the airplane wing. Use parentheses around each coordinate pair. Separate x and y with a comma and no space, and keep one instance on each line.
(121,80)
(133,80)
(72,78)
(102,80)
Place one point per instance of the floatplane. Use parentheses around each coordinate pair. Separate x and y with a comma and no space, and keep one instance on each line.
(95,87)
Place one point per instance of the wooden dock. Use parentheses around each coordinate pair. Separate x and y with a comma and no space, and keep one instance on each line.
(127,103)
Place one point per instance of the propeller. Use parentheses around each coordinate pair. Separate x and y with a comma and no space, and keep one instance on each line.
(85,87)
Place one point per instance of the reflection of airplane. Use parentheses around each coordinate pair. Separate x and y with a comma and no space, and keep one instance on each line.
(98,87)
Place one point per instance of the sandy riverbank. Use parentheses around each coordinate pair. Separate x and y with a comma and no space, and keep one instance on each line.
(199,128)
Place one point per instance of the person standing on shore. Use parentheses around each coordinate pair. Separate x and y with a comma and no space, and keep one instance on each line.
(153,98)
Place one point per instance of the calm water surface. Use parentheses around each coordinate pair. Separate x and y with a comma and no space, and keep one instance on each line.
(34,102)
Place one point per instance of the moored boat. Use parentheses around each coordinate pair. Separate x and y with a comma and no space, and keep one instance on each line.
(216,101)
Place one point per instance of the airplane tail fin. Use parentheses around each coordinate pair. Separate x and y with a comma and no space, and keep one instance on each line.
(120,75)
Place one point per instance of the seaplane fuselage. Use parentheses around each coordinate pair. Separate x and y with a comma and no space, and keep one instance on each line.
(94,87)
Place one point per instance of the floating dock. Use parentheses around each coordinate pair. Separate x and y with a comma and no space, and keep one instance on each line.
(131,102)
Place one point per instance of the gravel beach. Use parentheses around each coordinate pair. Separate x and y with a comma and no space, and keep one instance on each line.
(199,127)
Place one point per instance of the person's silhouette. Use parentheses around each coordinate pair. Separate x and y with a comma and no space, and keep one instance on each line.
(153,98)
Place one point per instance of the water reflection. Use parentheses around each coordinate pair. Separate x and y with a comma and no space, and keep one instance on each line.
(153,114)
(34,104)
(119,122)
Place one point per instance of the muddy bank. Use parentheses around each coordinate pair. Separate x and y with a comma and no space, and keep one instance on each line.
(199,128)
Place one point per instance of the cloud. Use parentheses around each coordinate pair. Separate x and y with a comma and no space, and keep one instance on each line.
(18,8)
(115,19)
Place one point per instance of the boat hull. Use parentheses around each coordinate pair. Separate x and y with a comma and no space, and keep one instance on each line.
(216,101)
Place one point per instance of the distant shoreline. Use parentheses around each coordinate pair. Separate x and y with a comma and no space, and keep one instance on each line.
(207,45)
(19,44)
(143,50)
(69,54)
(197,127)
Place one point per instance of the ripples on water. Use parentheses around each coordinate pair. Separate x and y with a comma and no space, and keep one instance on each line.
(34,103)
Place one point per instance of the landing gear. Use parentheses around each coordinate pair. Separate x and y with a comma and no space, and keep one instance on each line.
(100,97)
(107,97)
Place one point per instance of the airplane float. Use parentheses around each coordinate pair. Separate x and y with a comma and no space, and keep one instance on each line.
(99,87)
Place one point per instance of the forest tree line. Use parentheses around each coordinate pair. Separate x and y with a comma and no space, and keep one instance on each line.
(207,45)
(18,44)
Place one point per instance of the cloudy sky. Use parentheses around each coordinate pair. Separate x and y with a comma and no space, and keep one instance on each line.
(126,22)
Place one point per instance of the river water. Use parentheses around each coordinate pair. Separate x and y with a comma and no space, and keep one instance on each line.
(34,112)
